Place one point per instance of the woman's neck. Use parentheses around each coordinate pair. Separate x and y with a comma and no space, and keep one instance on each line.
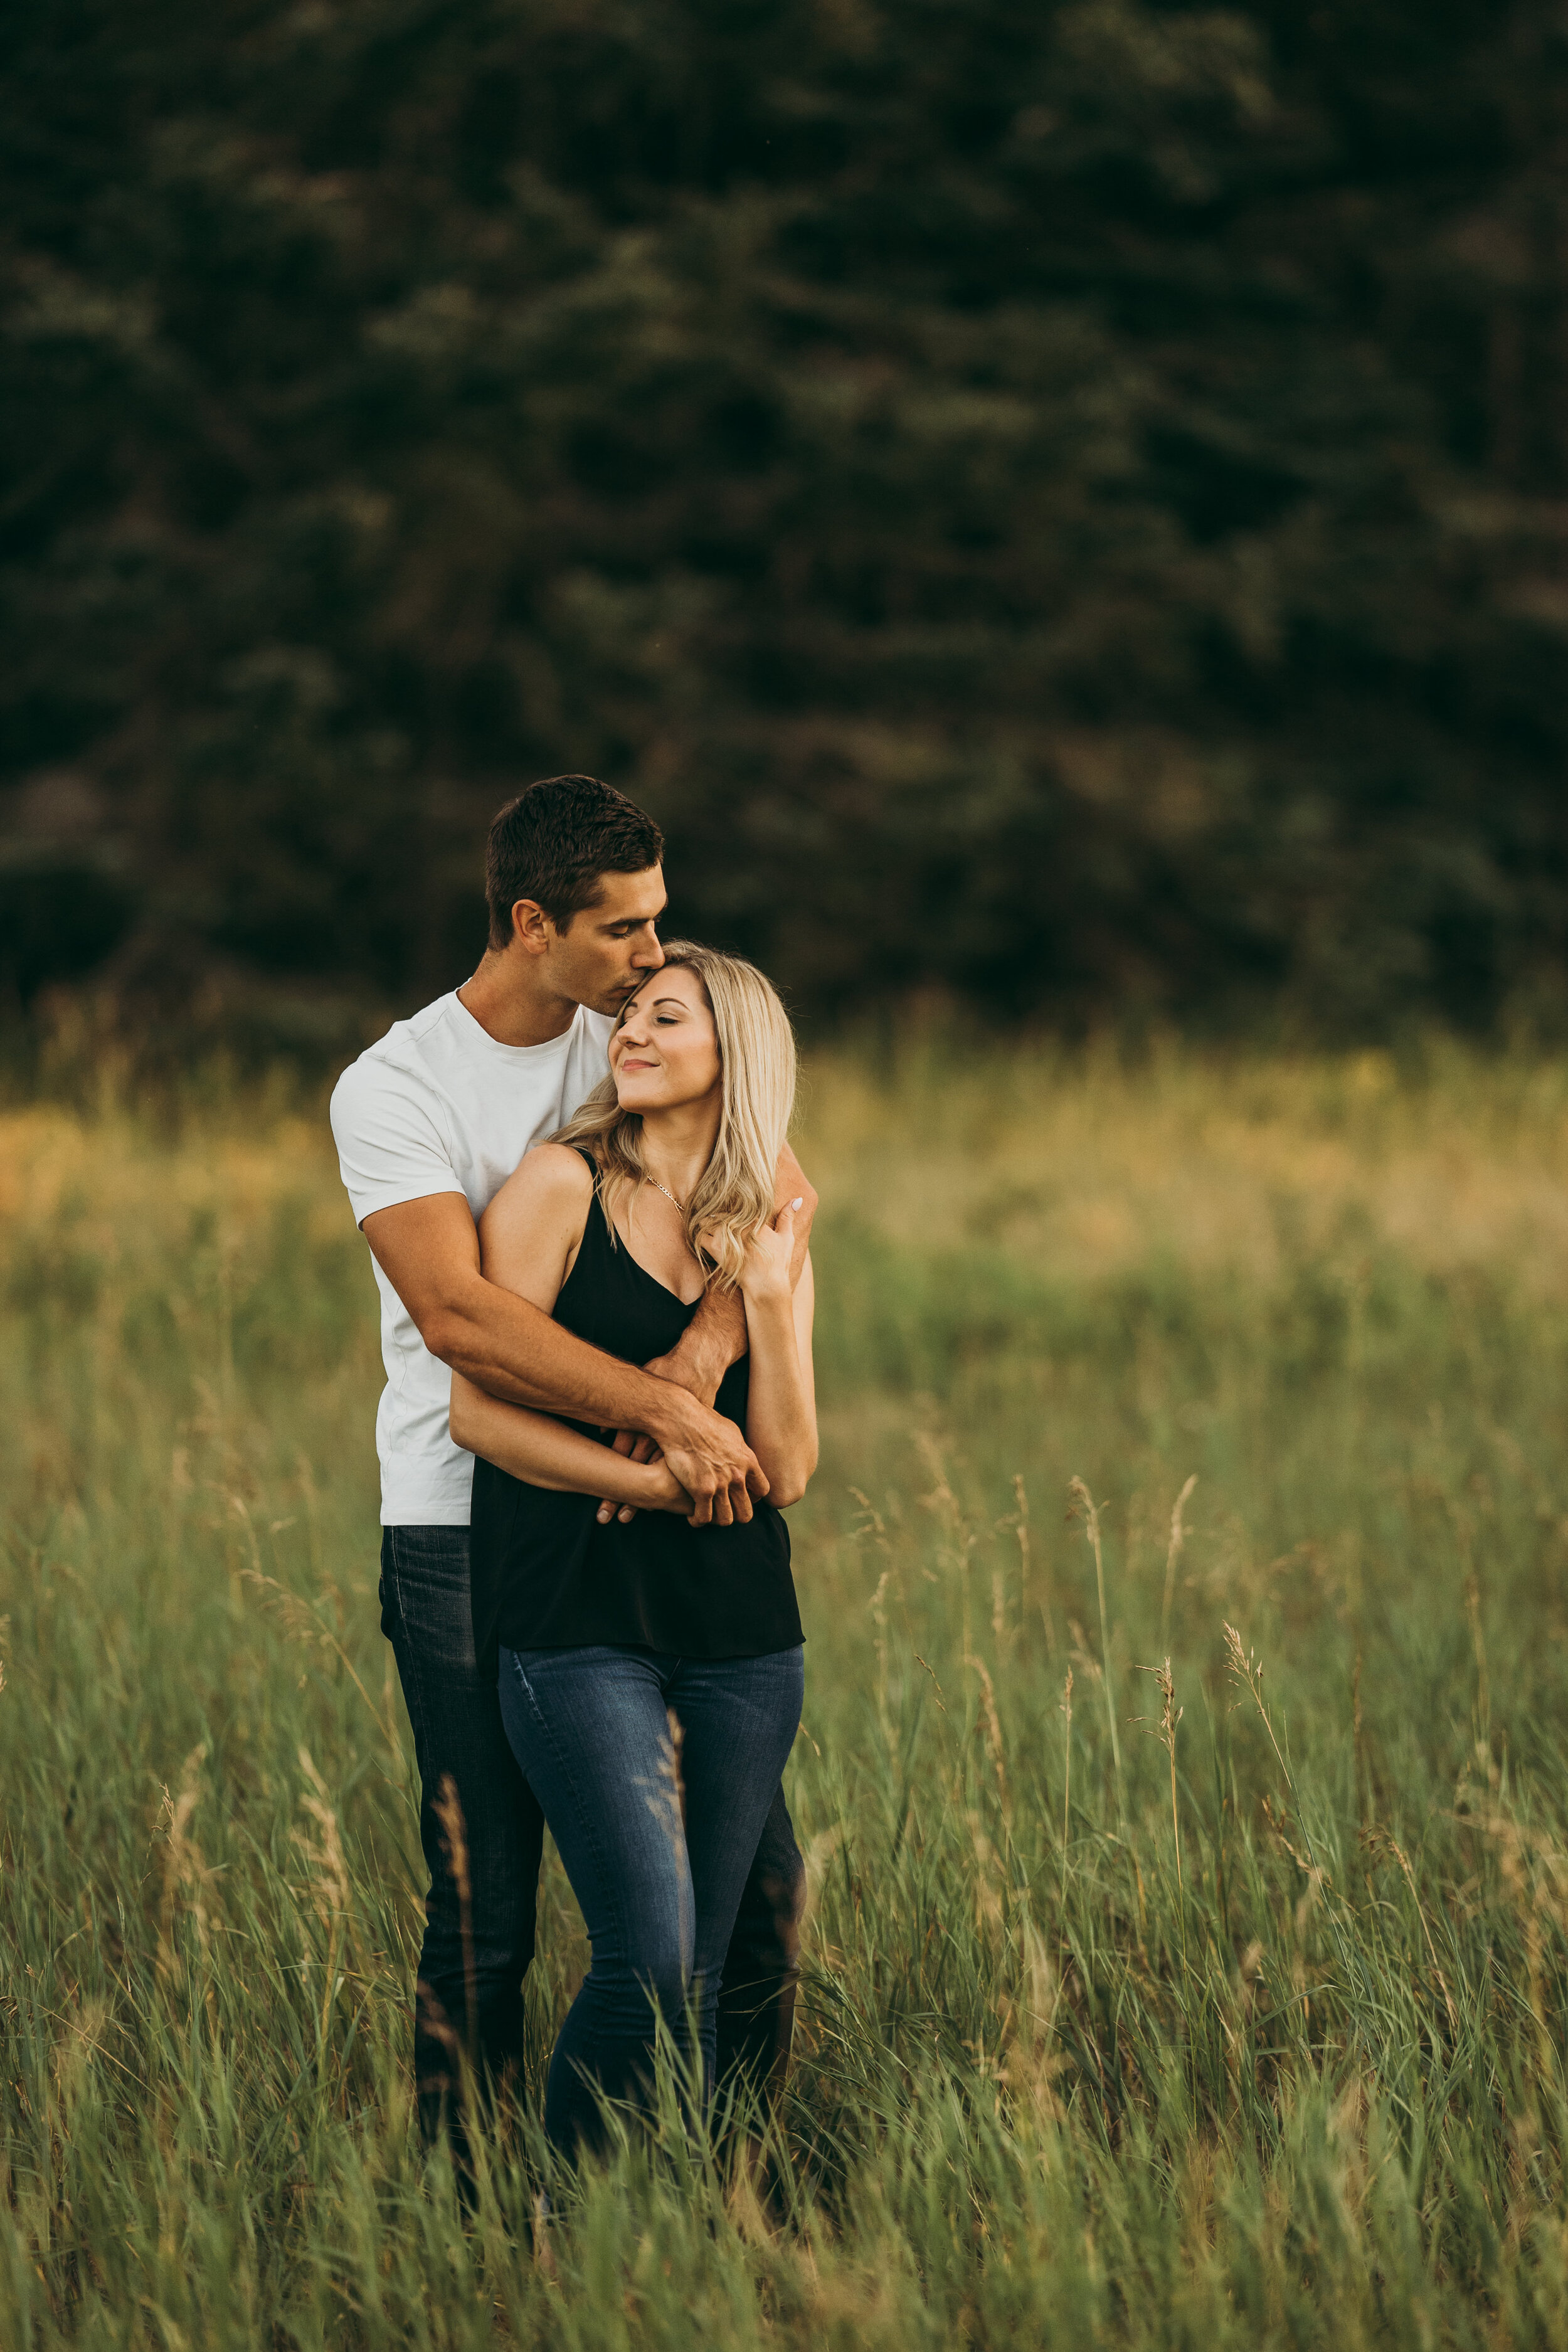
(677,1144)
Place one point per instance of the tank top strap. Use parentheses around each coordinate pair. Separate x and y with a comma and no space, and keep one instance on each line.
(585,1153)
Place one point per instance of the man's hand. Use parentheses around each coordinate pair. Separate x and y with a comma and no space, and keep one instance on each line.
(692,1370)
(716,1336)
(697,1370)
(707,1456)
(697,1363)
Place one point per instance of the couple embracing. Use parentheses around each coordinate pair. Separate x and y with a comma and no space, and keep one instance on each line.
(590,1242)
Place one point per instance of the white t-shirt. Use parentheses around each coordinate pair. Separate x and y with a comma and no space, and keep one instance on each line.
(438,1105)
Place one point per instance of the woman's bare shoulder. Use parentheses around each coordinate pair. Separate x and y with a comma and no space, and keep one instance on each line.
(550,1178)
(529,1234)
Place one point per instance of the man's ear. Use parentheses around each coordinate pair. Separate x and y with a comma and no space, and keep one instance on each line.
(531,928)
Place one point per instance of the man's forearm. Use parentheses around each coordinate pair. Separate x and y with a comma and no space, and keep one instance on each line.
(713,1340)
(716,1336)
(512,1351)
(518,1354)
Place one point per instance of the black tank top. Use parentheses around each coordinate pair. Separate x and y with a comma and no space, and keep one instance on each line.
(546,1575)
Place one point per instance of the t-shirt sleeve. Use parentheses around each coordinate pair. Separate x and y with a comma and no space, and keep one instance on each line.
(390,1146)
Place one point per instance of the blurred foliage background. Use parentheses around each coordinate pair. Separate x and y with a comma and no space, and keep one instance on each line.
(1062,500)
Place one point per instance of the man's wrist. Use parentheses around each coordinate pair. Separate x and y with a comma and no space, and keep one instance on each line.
(667,1417)
(697,1363)
(719,1330)
(710,1355)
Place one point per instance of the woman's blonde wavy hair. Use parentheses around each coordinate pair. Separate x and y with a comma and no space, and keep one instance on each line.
(757,1079)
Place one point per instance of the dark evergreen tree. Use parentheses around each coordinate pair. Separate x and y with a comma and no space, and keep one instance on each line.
(1062,501)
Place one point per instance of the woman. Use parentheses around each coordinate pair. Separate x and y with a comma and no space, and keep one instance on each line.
(651,1672)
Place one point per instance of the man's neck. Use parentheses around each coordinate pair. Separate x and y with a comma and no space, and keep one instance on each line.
(507,1000)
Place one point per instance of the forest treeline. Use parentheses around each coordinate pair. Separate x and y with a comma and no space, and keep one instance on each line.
(1062,500)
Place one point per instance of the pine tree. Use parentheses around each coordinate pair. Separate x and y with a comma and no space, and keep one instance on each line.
(1061,501)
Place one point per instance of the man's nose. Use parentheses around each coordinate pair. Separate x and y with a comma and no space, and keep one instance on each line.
(649,957)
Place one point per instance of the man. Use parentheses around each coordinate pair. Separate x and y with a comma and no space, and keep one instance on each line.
(429,1123)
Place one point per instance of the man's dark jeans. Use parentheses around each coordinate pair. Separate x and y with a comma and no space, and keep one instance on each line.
(477,1946)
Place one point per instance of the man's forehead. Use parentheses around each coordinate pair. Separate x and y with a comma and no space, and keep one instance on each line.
(623,896)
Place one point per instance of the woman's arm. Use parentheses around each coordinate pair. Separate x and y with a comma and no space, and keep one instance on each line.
(533,1230)
(529,1240)
(780,1412)
(547,1452)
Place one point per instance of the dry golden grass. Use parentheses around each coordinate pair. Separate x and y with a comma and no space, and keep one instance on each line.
(1081,1165)
(123,1178)
(1086,1165)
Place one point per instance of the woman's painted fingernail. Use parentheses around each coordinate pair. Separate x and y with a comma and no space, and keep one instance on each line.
(800,1203)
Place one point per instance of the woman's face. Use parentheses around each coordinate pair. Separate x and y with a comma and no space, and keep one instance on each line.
(665,1051)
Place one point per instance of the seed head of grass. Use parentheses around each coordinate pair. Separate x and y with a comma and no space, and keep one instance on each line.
(1164,1731)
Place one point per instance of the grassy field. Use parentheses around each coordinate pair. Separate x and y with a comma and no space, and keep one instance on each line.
(1247,2034)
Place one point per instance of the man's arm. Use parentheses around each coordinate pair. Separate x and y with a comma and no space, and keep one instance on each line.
(716,1336)
(429,1251)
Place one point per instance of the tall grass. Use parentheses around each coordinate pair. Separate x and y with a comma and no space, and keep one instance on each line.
(1230,2012)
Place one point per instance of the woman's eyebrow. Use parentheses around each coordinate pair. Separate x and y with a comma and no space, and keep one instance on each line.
(677,1000)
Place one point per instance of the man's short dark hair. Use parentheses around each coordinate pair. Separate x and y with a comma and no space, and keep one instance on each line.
(555,840)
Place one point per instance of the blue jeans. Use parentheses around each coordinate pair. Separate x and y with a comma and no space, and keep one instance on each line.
(657,1825)
(470,1993)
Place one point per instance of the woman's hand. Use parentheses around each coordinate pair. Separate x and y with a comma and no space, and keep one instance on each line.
(766,1269)
(666,1493)
(658,1490)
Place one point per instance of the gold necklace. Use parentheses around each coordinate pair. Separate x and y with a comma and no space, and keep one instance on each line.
(678,1206)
